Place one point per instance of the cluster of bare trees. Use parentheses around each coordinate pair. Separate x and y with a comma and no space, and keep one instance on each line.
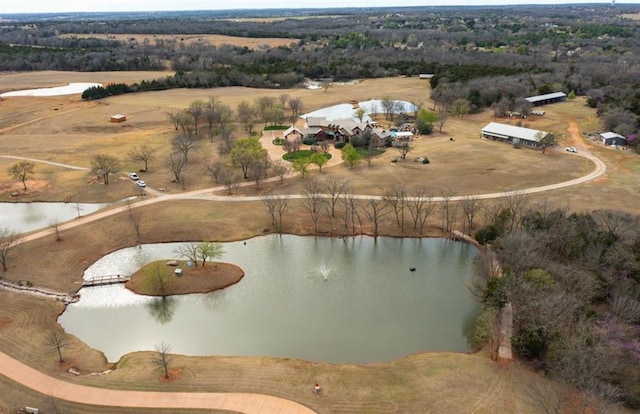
(215,119)
(331,202)
(573,281)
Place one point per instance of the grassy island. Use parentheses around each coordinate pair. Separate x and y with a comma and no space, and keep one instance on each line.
(159,278)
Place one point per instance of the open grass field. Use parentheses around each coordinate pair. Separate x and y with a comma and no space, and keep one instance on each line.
(69,131)
(191,39)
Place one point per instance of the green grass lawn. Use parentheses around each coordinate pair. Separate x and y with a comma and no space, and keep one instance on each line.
(296,155)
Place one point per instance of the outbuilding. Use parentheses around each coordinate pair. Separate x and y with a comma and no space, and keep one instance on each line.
(547,98)
(118,118)
(514,135)
(612,139)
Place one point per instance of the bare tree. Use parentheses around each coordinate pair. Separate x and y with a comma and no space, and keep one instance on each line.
(403,147)
(397,199)
(335,188)
(257,170)
(449,210)
(57,342)
(230,180)
(142,154)
(196,110)
(420,205)
(443,116)
(470,207)
(174,117)
(314,201)
(516,202)
(215,169)
(369,155)
(176,163)
(276,206)
(263,105)
(22,171)
(189,251)
(247,115)
(78,207)
(135,217)
(185,122)
(280,168)
(295,105)
(8,239)
(376,211)
(183,144)
(387,106)
(55,225)
(283,99)
(227,142)
(218,116)
(162,359)
(104,165)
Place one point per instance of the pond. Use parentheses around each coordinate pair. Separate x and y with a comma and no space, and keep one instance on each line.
(25,217)
(335,300)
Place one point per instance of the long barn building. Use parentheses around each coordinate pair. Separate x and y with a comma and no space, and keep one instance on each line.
(514,135)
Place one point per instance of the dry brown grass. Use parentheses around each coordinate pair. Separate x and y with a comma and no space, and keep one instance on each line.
(191,39)
(445,383)
(198,279)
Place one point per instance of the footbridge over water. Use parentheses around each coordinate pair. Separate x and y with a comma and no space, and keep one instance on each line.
(105,280)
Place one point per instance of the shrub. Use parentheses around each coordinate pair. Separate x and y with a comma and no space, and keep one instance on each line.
(278,141)
(482,328)
(528,343)
(309,141)
(487,234)
(276,128)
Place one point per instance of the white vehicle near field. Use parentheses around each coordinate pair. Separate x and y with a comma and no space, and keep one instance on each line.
(572,149)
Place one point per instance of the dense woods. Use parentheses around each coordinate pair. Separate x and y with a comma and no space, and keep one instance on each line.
(574,282)
(486,55)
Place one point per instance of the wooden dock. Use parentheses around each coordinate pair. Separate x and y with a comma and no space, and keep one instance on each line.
(105,280)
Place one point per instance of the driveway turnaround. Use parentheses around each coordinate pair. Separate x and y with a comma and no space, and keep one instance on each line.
(235,402)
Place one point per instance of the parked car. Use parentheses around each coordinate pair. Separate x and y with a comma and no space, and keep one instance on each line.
(134,176)
(572,149)
(141,183)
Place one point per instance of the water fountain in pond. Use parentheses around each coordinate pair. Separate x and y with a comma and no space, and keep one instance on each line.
(324,271)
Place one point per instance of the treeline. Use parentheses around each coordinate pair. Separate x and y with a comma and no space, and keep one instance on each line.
(487,55)
(574,283)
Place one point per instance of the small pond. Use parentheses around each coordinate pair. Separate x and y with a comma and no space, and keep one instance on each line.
(336,300)
(25,217)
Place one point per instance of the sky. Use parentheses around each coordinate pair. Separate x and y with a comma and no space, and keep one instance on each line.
(44,6)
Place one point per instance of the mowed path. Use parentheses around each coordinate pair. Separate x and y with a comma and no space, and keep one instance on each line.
(236,402)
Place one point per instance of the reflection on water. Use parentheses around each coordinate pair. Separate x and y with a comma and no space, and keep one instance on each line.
(25,217)
(322,299)
(162,308)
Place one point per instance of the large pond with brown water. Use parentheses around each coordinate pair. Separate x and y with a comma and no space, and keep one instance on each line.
(353,300)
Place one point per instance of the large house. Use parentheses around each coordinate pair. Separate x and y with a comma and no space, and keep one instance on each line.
(344,130)
(612,139)
(514,135)
(547,98)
